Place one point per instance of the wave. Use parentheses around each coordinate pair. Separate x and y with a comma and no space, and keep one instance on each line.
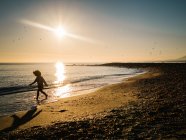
(96,77)
(15,89)
(20,89)
(26,88)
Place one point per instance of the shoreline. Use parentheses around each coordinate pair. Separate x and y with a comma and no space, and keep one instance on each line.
(70,94)
(148,106)
(82,98)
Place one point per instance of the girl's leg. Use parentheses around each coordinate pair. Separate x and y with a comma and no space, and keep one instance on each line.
(44,94)
(37,94)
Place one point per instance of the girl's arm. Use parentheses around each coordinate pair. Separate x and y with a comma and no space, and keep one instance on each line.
(33,82)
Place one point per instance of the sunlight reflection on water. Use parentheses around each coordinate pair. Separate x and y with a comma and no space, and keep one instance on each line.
(60,73)
(63,91)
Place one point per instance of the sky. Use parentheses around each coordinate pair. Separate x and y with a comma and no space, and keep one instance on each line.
(95,30)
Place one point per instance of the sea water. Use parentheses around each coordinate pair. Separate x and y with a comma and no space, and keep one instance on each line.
(63,81)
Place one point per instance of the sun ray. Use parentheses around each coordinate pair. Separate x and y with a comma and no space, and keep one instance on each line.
(59,31)
(82,38)
(37,25)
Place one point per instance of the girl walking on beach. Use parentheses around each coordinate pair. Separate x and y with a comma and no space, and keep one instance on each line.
(40,81)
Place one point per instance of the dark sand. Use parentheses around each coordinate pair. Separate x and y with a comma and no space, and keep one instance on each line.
(156,109)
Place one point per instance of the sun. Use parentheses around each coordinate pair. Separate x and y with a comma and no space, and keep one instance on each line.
(60,32)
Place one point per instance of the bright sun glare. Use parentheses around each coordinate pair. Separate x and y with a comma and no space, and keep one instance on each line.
(60,32)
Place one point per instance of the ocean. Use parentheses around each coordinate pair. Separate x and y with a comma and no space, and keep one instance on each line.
(64,80)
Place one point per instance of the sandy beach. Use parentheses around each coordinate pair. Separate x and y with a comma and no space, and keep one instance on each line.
(151,105)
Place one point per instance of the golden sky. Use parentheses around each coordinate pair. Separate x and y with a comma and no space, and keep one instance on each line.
(120,31)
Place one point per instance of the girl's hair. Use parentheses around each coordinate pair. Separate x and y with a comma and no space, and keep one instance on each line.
(37,73)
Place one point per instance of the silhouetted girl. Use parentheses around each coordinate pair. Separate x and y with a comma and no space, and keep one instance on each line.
(40,80)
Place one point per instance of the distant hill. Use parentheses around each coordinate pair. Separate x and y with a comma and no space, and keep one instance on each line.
(182,58)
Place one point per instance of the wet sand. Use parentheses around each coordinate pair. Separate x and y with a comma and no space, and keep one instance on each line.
(151,105)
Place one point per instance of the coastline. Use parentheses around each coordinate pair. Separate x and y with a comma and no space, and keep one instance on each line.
(77,107)
(141,107)
(57,92)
